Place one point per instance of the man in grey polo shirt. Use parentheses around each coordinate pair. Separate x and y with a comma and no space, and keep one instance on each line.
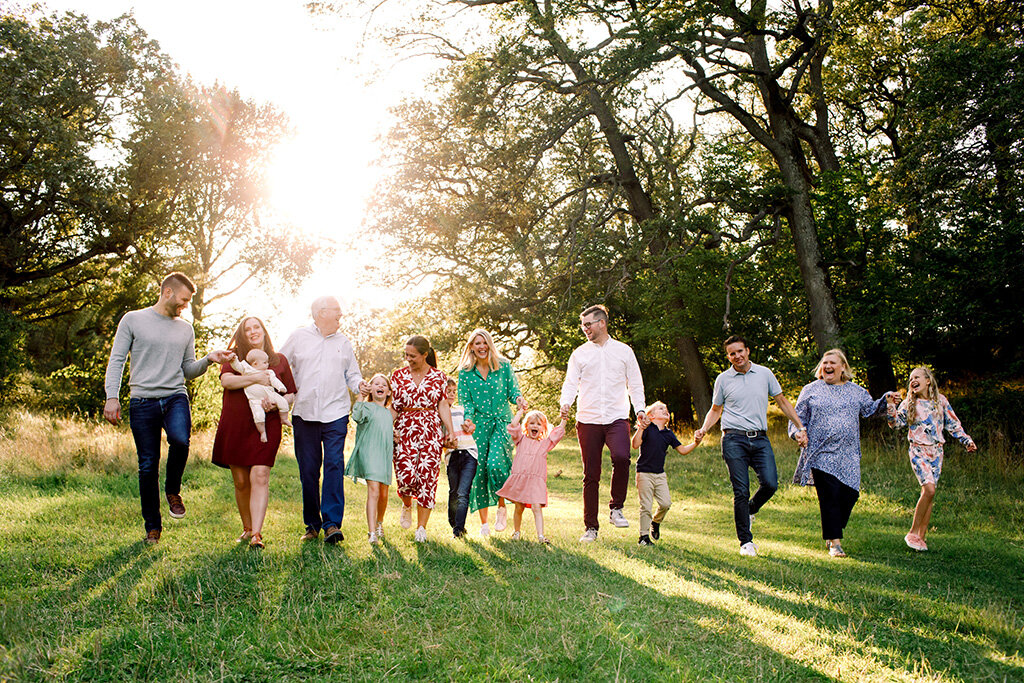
(741,401)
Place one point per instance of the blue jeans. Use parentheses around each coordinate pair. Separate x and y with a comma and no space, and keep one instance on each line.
(461,470)
(316,444)
(146,417)
(740,452)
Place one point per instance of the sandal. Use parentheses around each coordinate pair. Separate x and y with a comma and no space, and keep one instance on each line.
(835,549)
(256,541)
(246,534)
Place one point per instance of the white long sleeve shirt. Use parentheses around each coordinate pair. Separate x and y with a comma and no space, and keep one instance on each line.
(325,370)
(606,378)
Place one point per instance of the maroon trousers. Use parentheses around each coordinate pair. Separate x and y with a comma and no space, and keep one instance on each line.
(593,439)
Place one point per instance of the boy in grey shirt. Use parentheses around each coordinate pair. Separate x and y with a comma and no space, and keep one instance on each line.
(163,356)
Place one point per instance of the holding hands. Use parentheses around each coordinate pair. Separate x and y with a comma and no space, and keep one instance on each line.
(220,356)
(563,412)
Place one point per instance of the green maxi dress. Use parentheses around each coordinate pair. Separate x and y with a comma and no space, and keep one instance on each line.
(375,443)
(486,402)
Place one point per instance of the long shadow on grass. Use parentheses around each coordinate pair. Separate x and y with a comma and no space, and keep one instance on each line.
(889,622)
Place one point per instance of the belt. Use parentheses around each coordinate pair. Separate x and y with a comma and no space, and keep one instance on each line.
(410,410)
(749,433)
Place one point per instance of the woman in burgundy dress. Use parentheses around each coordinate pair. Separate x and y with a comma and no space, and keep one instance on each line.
(419,395)
(237,444)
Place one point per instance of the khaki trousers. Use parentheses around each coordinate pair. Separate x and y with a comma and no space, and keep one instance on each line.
(652,488)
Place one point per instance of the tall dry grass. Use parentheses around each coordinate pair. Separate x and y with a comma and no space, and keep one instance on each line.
(38,443)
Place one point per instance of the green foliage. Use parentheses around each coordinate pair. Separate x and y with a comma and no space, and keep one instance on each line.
(12,351)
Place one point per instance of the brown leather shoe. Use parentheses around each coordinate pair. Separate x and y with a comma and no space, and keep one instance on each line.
(153,537)
(176,506)
(333,534)
(310,535)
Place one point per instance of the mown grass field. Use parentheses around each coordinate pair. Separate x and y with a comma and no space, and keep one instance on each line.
(82,598)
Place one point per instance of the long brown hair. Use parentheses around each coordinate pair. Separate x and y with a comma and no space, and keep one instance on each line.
(932,395)
(240,343)
(422,346)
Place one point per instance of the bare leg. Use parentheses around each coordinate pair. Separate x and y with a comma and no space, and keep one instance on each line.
(372,504)
(538,521)
(422,515)
(517,517)
(243,488)
(382,503)
(483,515)
(923,511)
(406,500)
(261,427)
(259,496)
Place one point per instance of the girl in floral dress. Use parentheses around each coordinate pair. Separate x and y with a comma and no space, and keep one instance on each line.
(419,397)
(371,459)
(926,413)
(527,485)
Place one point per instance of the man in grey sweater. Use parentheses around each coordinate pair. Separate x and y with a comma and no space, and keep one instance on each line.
(163,356)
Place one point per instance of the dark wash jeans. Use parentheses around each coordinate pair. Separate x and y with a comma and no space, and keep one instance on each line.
(461,470)
(147,417)
(316,444)
(741,452)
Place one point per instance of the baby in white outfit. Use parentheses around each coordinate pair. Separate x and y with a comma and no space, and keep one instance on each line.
(257,361)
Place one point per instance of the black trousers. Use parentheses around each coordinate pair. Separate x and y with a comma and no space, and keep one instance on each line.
(836,501)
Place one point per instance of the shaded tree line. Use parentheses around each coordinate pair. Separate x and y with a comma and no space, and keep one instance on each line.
(808,173)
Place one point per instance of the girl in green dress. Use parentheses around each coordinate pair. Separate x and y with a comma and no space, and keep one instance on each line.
(375,446)
(486,387)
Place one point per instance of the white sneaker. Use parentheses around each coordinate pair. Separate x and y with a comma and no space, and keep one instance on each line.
(619,519)
(515,536)
(421,535)
(589,537)
(748,549)
(485,529)
(502,521)
(405,519)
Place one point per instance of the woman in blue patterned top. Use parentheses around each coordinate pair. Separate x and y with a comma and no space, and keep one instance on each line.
(831,408)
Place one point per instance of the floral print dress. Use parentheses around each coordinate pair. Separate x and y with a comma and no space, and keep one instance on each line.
(924,432)
(420,435)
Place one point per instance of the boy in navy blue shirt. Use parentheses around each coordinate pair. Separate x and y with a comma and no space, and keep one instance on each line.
(653,438)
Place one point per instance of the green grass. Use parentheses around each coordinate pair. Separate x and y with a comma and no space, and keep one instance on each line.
(82,598)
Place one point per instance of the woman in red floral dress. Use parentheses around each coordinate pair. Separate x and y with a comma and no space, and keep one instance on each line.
(418,392)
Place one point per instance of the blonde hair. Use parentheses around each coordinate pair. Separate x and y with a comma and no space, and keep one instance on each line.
(545,426)
(468,359)
(656,404)
(932,394)
(387,383)
(845,375)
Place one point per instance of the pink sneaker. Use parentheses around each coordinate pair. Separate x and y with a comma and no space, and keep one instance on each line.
(915,542)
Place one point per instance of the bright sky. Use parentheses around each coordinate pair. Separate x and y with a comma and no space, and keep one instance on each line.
(312,67)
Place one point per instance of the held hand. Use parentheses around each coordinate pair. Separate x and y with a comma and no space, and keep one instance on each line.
(221,356)
(972,447)
(563,412)
(469,427)
(112,411)
(522,404)
(364,388)
(801,438)
(451,441)
(893,398)
(699,435)
(268,405)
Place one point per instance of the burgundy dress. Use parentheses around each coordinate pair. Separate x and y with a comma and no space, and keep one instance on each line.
(237,442)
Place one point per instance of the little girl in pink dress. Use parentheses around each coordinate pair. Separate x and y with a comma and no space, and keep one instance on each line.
(527,483)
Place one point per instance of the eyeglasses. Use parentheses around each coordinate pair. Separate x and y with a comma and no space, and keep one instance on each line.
(587,325)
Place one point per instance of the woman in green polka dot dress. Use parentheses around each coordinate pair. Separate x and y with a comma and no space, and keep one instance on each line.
(486,387)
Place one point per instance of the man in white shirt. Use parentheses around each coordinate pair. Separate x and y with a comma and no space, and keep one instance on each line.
(325,370)
(604,375)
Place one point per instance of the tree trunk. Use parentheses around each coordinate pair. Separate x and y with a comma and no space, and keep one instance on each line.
(881,376)
(696,374)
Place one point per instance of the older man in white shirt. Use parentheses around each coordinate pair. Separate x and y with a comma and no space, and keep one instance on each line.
(325,370)
(604,375)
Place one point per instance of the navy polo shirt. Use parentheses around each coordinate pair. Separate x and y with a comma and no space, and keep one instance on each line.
(654,445)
